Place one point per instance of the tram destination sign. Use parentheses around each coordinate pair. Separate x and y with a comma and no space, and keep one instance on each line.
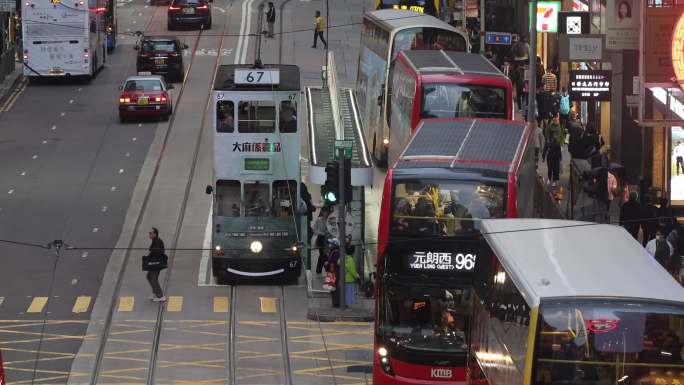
(256,76)
(441,261)
(257,164)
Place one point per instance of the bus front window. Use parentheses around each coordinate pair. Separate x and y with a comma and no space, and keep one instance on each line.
(443,208)
(463,101)
(426,318)
(425,38)
(609,343)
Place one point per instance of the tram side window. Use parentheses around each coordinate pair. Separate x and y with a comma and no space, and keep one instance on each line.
(256,117)
(284,193)
(256,195)
(288,116)
(225,116)
(228,198)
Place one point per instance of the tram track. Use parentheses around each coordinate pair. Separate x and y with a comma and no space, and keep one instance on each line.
(271,330)
(158,326)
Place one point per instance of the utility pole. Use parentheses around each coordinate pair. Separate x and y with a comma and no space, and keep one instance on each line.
(341,226)
(532,88)
(482,26)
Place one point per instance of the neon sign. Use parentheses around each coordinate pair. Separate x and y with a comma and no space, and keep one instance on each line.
(678,51)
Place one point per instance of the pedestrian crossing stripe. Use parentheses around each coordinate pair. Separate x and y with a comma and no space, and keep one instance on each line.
(220,304)
(126,304)
(82,304)
(37,305)
(268,304)
(175,304)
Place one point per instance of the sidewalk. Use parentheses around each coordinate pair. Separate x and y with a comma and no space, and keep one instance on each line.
(319,303)
(10,82)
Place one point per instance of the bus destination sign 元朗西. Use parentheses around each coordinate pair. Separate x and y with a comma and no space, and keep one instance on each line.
(443,261)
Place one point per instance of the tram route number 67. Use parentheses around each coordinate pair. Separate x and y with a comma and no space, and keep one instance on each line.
(252,76)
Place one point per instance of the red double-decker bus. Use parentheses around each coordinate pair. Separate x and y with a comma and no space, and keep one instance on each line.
(450,175)
(442,84)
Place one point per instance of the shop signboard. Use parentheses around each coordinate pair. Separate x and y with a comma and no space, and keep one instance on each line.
(622,24)
(580,47)
(574,23)
(659,33)
(547,15)
(580,6)
(589,85)
(498,38)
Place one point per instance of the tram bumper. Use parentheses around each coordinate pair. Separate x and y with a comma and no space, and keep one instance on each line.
(232,270)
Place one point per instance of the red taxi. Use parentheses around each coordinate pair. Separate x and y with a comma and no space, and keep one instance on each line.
(145,97)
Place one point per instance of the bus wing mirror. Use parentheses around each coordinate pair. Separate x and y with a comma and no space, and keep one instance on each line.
(209,189)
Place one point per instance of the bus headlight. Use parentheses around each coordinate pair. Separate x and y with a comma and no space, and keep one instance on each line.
(256,247)
(384,360)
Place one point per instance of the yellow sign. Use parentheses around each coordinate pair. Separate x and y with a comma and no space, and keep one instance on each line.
(55,2)
(414,8)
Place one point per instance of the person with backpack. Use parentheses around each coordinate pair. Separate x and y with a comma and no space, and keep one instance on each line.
(661,249)
(351,277)
(564,108)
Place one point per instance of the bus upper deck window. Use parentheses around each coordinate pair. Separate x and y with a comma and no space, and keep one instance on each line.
(288,116)
(256,117)
(225,116)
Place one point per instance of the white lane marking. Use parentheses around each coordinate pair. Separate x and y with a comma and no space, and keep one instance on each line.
(238,50)
(71,101)
(139,124)
(139,13)
(11,191)
(53,128)
(220,9)
(104,209)
(80,89)
(95,229)
(121,171)
(34,157)
(146,6)
(74,281)
(128,155)
(204,262)
(128,30)
(134,22)
(84,255)
(45,142)
(23,173)
(113,188)
(247,31)
(135,139)
(62,113)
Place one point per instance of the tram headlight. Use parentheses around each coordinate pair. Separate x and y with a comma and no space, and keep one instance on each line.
(384,360)
(385,142)
(218,251)
(293,251)
(256,247)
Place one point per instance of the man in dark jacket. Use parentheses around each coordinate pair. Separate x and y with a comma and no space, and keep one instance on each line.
(270,19)
(157,252)
(630,215)
(650,217)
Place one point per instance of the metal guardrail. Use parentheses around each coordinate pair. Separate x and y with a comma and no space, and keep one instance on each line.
(7,64)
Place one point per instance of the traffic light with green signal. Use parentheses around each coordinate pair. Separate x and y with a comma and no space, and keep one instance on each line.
(330,190)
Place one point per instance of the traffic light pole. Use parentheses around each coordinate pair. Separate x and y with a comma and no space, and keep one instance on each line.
(341,226)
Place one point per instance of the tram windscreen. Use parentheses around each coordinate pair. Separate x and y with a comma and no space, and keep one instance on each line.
(425,318)
(256,117)
(607,342)
(444,208)
(427,38)
(463,101)
(228,198)
(256,200)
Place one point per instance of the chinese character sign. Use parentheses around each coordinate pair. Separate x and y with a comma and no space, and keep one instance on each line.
(590,85)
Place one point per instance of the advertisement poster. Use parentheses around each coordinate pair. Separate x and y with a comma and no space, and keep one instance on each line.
(369,88)
(677,165)
(622,24)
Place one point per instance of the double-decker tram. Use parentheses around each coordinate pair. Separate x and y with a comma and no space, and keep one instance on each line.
(452,174)
(384,34)
(442,84)
(564,302)
(256,174)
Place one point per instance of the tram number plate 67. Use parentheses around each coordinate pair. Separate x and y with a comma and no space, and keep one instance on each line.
(252,76)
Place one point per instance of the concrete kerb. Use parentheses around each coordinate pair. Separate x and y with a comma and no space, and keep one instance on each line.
(84,361)
(10,83)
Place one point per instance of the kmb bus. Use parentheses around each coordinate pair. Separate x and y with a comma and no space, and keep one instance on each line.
(63,37)
(384,34)
(452,174)
(257,176)
(442,84)
(564,302)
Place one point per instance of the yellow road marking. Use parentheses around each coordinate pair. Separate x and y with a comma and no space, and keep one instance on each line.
(37,305)
(268,304)
(82,304)
(175,304)
(220,304)
(13,97)
(126,303)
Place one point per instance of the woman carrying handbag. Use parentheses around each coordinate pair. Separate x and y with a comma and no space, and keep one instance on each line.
(155,262)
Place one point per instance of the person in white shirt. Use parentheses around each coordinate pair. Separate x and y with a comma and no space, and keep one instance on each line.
(660,248)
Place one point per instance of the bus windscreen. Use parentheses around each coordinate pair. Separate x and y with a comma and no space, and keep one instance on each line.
(427,38)
(463,101)
(609,342)
(444,208)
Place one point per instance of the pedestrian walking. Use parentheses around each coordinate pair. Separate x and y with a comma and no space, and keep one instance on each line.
(538,140)
(630,215)
(320,231)
(564,108)
(666,216)
(550,81)
(270,19)
(555,131)
(319,28)
(351,277)
(154,263)
(552,154)
(333,276)
(660,248)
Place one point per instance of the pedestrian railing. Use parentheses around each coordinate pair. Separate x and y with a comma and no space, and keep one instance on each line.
(7,64)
